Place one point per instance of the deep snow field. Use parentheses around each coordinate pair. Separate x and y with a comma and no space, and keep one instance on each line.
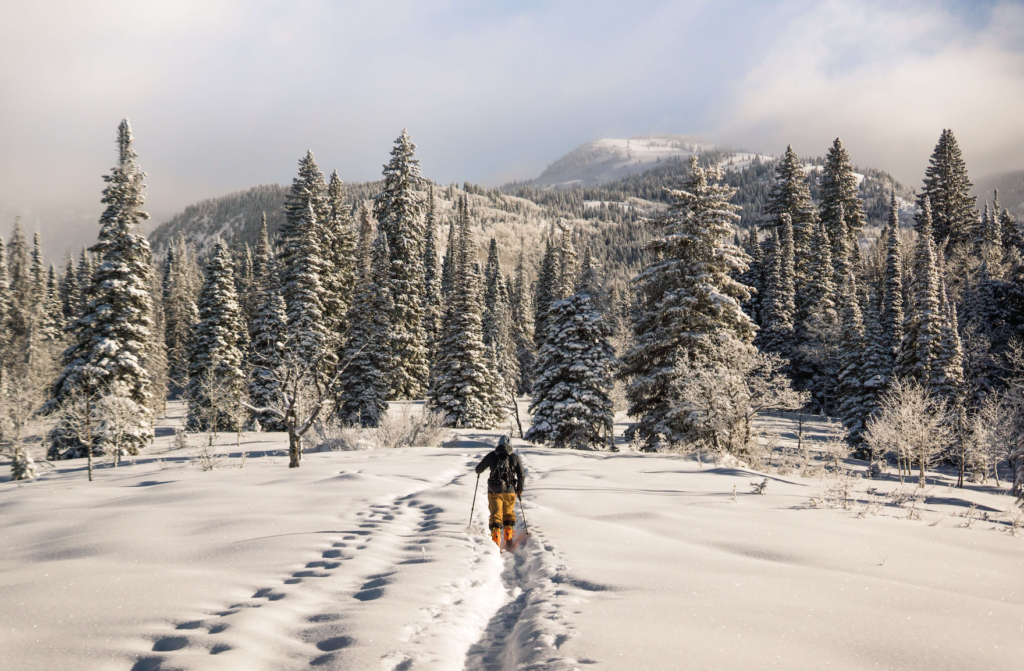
(362,560)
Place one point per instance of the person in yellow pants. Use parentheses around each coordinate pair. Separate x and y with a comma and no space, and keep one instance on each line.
(503,485)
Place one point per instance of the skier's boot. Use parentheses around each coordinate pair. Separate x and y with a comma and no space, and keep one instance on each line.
(510,534)
(496,536)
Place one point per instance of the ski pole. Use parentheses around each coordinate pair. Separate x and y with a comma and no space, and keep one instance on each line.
(526,526)
(473,507)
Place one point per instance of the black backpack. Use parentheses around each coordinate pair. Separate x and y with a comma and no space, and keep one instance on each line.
(504,472)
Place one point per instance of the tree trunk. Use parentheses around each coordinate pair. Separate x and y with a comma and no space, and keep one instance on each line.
(89,453)
(294,449)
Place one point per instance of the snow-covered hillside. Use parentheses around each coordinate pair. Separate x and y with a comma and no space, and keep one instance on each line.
(363,560)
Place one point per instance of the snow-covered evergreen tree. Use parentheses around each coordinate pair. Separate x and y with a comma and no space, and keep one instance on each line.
(308,192)
(216,383)
(819,340)
(850,392)
(546,291)
(111,336)
(398,212)
(463,385)
(687,300)
(448,261)
(338,242)
(22,310)
(70,294)
(51,323)
(791,195)
(366,384)
(892,302)
(268,335)
(779,307)
(521,310)
(571,406)
(181,291)
(842,211)
(947,379)
(492,286)
(302,288)
(432,273)
(947,189)
(842,249)
(922,325)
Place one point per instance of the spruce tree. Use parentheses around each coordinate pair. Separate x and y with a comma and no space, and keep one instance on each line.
(86,271)
(947,189)
(922,325)
(462,387)
(1013,239)
(398,212)
(948,373)
(892,302)
(432,273)
(842,254)
(5,309)
(308,192)
(820,330)
(850,392)
(791,195)
(110,338)
(215,383)
(545,293)
(268,336)
(38,274)
(779,307)
(303,288)
(571,406)
(180,312)
(71,296)
(842,211)
(688,302)
(522,327)
(23,305)
(366,385)
(51,325)
(338,241)
(448,261)
(492,284)
(876,368)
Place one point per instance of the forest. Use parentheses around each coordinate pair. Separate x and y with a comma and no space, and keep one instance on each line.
(689,298)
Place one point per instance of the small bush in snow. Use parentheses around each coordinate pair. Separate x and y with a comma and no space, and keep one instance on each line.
(403,428)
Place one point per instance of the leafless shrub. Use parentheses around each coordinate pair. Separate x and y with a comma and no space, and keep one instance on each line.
(335,436)
(759,487)
(408,429)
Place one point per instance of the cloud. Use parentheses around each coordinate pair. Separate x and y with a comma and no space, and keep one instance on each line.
(887,78)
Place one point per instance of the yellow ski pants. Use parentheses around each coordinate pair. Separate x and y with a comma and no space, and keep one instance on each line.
(503,510)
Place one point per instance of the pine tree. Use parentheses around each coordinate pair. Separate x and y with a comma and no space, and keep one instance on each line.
(922,325)
(22,308)
(215,381)
(842,260)
(790,194)
(338,241)
(86,272)
(688,302)
(948,373)
(268,336)
(850,392)
(366,385)
(492,284)
(876,368)
(820,330)
(432,274)
(38,274)
(5,309)
(462,382)
(70,294)
(779,308)
(155,353)
(948,190)
(521,310)
(397,209)
(545,293)
(308,192)
(51,326)
(448,261)
(111,336)
(303,288)
(1010,230)
(892,302)
(842,211)
(571,405)
(180,312)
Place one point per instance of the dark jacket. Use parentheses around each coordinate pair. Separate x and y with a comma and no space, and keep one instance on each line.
(494,486)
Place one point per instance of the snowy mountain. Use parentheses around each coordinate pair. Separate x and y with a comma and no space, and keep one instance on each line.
(608,159)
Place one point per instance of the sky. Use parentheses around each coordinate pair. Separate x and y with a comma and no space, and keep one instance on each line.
(223,95)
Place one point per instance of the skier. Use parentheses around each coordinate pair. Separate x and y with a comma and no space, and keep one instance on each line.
(503,486)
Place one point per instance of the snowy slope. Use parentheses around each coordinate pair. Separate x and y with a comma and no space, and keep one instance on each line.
(362,560)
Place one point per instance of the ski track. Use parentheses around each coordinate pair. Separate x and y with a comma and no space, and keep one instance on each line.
(324,612)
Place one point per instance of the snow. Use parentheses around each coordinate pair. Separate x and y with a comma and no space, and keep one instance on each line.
(362,560)
(608,159)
